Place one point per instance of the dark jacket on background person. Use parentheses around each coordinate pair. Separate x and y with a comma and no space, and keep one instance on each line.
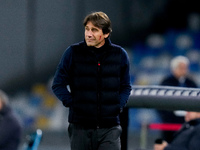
(10,130)
(169,116)
(187,138)
(99,81)
(173,81)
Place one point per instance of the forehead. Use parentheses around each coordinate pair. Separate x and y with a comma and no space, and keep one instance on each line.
(182,65)
(91,25)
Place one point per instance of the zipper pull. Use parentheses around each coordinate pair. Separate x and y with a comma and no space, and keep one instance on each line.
(99,64)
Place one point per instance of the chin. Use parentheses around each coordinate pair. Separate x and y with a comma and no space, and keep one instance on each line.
(88,44)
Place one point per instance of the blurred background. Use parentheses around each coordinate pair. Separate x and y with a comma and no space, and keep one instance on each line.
(34,34)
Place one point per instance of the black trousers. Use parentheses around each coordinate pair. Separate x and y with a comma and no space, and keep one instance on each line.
(82,138)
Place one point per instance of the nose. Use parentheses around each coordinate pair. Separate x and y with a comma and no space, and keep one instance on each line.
(88,33)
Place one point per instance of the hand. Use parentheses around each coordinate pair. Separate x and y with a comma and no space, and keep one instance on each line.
(160,146)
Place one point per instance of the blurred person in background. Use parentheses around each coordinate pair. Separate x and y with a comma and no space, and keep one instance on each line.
(187,138)
(10,127)
(179,77)
(93,80)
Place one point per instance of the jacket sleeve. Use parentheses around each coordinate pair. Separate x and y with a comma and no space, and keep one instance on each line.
(61,79)
(5,131)
(125,86)
(10,129)
(171,147)
(192,142)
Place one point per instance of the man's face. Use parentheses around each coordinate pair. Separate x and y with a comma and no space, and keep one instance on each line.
(181,70)
(94,36)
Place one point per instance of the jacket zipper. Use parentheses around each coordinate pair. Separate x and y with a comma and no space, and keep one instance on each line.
(98,94)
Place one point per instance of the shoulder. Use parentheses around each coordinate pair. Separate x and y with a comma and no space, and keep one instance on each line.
(191,83)
(13,122)
(71,48)
(14,119)
(169,80)
(119,49)
(77,45)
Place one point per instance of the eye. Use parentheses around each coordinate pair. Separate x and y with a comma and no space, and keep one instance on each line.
(94,30)
(86,28)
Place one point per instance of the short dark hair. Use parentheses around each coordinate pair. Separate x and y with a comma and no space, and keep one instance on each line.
(100,20)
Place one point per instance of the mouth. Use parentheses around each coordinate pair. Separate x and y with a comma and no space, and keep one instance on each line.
(89,40)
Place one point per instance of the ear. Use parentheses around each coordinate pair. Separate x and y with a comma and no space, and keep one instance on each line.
(106,35)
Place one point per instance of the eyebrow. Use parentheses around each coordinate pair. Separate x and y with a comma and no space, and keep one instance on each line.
(93,28)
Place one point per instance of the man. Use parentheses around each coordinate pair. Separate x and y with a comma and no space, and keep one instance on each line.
(187,138)
(179,73)
(93,80)
(179,77)
(10,128)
